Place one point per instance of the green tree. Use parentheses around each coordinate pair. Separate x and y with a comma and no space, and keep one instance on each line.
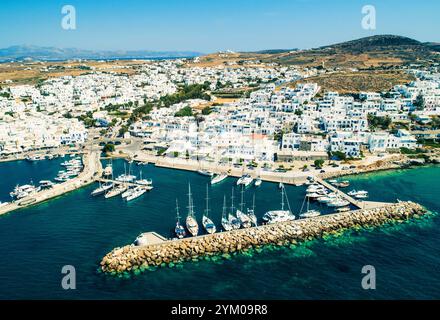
(319,163)
(108,147)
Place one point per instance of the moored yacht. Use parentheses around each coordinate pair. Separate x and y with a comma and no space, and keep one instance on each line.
(251,213)
(205,173)
(227,226)
(179,230)
(282,215)
(206,221)
(231,217)
(258,182)
(245,180)
(245,220)
(191,222)
(116,190)
(102,189)
(136,193)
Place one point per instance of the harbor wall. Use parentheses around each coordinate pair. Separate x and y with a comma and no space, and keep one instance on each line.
(132,258)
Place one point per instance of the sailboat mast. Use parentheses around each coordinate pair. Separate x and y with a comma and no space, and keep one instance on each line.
(242,198)
(224,207)
(177,211)
(282,198)
(253,203)
(232,200)
(207,202)
(190,206)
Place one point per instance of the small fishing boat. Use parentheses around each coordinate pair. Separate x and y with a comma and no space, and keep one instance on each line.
(343,209)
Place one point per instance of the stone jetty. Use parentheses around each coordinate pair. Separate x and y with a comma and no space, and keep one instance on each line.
(132,258)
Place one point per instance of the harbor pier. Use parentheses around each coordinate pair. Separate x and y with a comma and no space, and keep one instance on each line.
(91,172)
(131,258)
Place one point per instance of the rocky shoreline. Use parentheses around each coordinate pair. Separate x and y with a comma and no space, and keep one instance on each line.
(132,258)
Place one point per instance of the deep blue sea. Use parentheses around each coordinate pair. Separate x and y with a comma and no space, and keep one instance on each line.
(79,230)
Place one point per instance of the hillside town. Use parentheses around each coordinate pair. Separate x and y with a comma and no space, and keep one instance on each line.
(239,113)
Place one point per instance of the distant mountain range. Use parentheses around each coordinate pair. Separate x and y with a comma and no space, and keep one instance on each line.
(24,52)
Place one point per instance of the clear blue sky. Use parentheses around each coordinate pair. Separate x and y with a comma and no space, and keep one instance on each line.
(209,25)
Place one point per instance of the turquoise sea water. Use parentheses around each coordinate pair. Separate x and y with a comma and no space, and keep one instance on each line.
(79,230)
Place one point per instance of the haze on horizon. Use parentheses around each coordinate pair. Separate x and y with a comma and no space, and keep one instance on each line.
(205,26)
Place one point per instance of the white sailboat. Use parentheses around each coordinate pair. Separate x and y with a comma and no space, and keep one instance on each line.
(244,218)
(282,215)
(308,213)
(232,219)
(206,221)
(251,213)
(191,222)
(179,230)
(116,191)
(136,193)
(102,189)
(227,226)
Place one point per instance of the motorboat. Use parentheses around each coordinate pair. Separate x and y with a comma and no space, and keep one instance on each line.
(218,178)
(46,184)
(338,202)
(258,182)
(245,180)
(310,214)
(205,173)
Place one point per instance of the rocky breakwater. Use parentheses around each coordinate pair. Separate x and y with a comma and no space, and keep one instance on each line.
(132,258)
